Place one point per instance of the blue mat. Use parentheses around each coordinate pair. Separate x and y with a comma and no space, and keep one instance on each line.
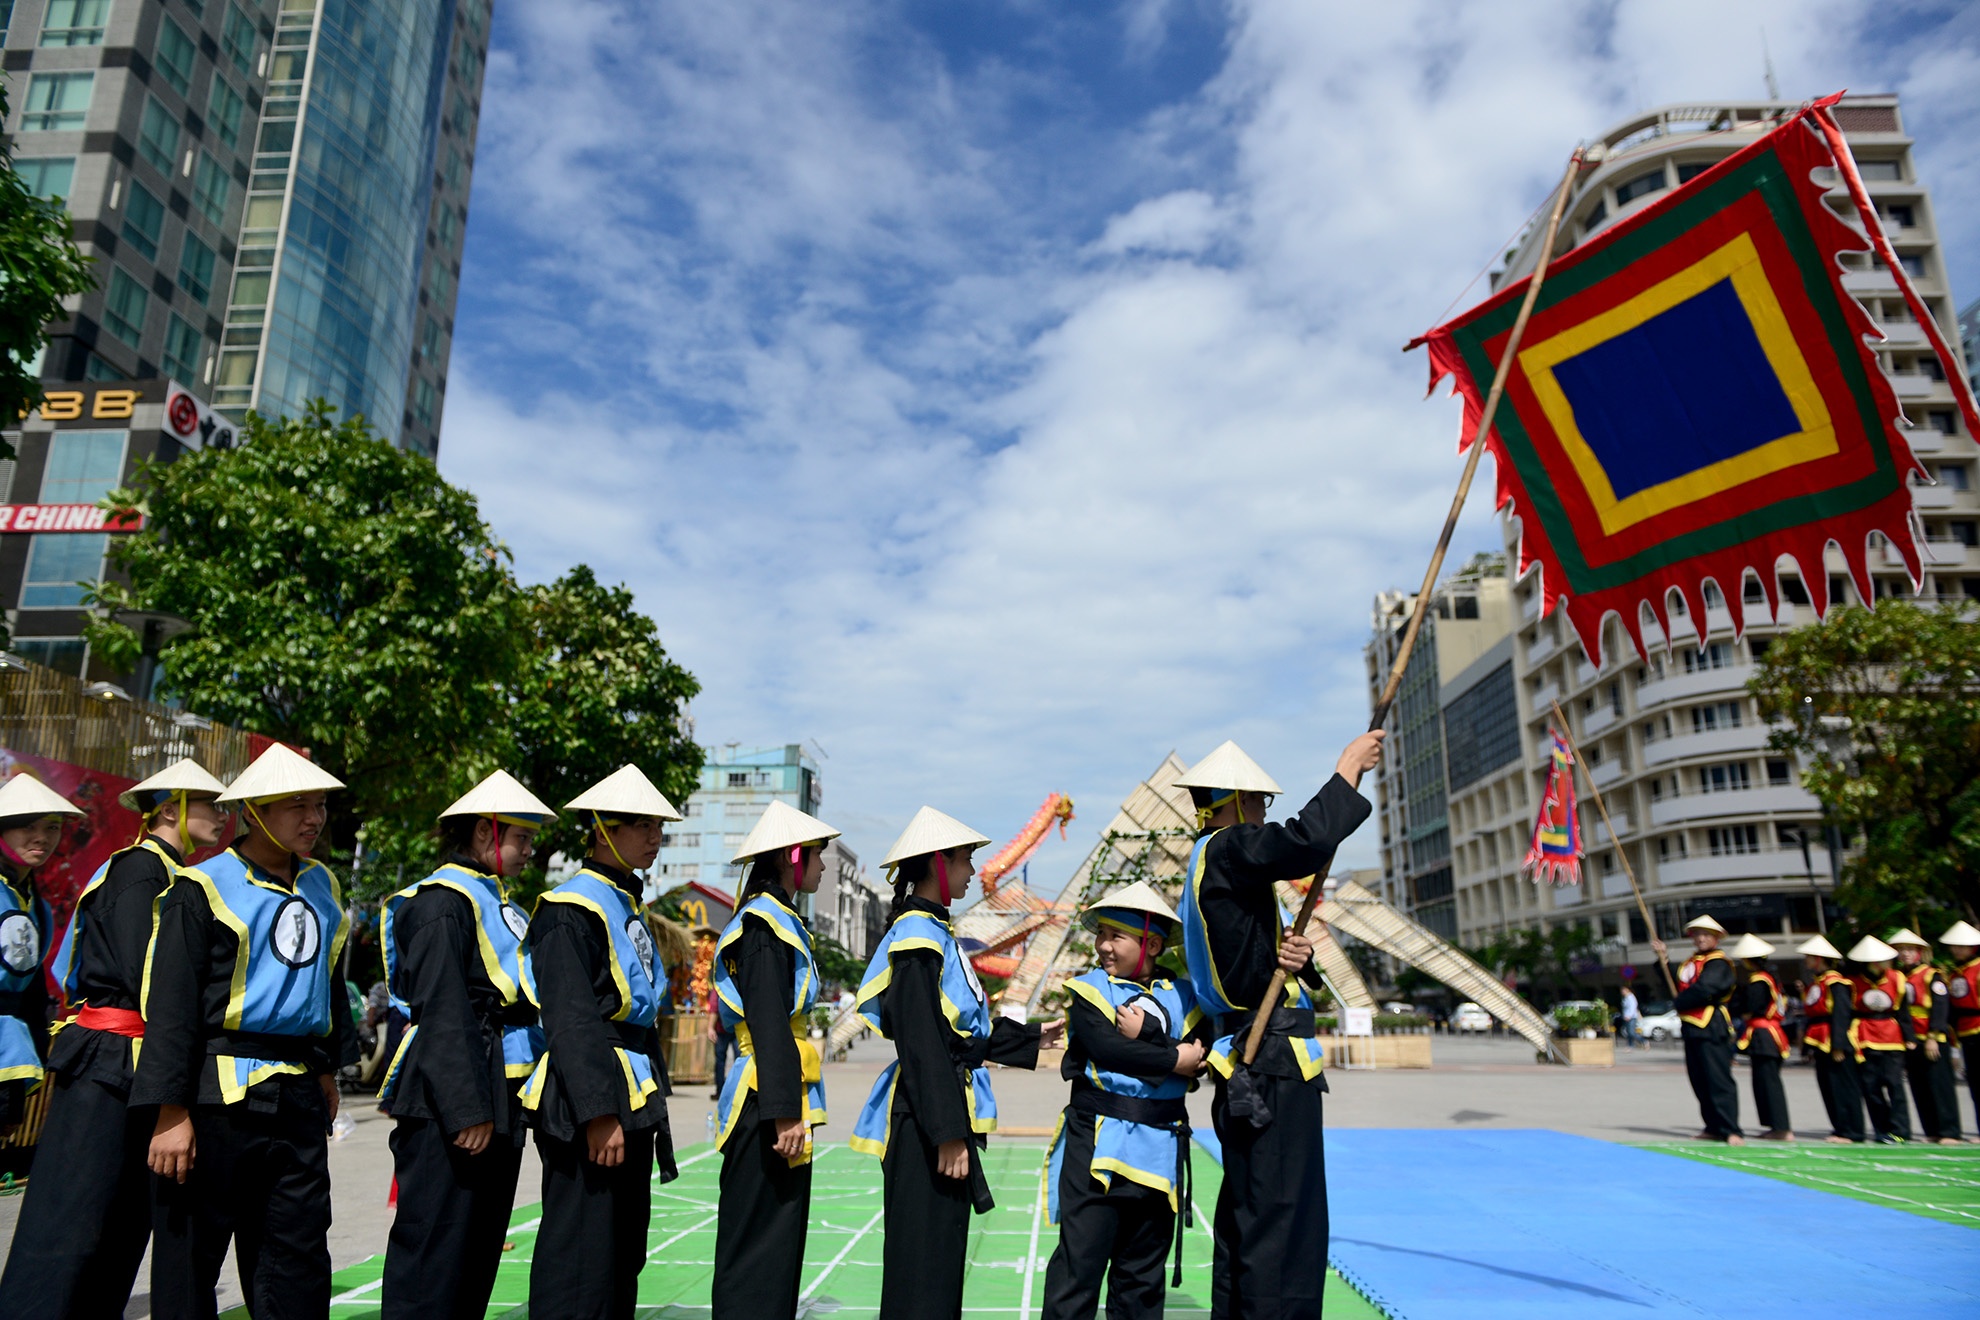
(1483,1225)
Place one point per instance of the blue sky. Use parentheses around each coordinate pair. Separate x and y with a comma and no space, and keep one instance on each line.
(1002,395)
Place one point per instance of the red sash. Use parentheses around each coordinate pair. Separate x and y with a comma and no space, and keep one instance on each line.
(118,1021)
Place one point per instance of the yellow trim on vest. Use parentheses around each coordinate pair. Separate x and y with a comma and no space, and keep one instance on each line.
(619,982)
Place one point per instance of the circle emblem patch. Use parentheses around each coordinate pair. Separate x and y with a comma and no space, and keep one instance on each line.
(1959,986)
(642,942)
(20,943)
(1813,995)
(513,918)
(297,935)
(1876,1000)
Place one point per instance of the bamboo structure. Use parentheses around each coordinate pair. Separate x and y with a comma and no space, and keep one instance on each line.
(49,714)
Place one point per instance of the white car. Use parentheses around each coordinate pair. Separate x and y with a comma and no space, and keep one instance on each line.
(1662,1026)
(1469,1018)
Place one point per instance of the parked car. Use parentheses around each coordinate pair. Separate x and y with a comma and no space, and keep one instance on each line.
(1660,1026)
(1398,1006)
(1470,1017)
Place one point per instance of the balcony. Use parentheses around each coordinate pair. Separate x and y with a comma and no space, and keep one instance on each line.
(1585,673)
(1912,386)
(1781,864)
(1899,334)
(1935,497)
(1602,717)
(1542,646)
(1743,802)
(1598,833)
(1543,700)
(1924,440)
(1935,554)
(1608,772)
(1529,607)
(1869,281)
(1680,686)
(1713,742)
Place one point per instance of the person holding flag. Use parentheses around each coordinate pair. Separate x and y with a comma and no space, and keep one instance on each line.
(1881,1034)
(30,831)
(1763,1038)
(1928,1063)
(765,984)
(1706,984)
(1830,1004)
(455,965)
(1962,941)
(81,1237)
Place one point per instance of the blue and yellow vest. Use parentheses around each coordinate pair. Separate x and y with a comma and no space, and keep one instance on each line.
(64,969)
(1209,984)
(636,973)
(22,932)
(1139,1152)
(741,1080)
(498,933)
(284,981)
(963,1004)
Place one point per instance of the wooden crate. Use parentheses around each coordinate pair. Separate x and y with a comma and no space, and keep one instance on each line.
(690,1054)
(1597,1053)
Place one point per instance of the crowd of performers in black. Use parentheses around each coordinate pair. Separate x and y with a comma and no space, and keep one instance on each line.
(193,1084)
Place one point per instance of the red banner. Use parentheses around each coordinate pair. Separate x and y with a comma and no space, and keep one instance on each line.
(66,518)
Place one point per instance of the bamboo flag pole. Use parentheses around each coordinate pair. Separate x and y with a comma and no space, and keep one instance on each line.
(1622,852)
(1477,450)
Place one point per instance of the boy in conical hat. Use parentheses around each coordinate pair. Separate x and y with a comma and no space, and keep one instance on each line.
(1763,1038)
(1272,1208)
(1830,1004)
(1928,1063)
(245,1026)
(455,965)
(1118,1189)
(1962,942)
(766,982)
(81,1236)
(30,830)
(929,1110)
(598,1096)
(1882,1035)
(1706,984)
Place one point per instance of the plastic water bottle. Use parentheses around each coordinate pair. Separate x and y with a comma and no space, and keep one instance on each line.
(711,1127)
(342,1126)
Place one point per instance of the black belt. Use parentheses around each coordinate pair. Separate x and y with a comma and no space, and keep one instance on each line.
(522,1013)
(970,1054)
(1171,1113)
(261,1045)
(633,1036)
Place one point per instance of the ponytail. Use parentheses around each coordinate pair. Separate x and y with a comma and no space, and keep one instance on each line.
(763,878)
(906,876)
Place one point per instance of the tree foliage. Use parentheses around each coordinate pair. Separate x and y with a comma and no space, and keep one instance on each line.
(1882,706)
(1549,963)
(40,265)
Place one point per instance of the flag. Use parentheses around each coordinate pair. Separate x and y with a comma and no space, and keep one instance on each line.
(1693,396)
(1555,853)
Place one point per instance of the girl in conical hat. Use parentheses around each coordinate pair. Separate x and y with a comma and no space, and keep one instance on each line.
(1763,1038)
(30,830)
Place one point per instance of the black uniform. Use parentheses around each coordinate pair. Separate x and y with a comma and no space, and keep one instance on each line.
(1127,1225)
(1836,1078)
(1763,1054)
(82,1230)
(31,1003)
(927,1215)
(592,1242)
(765,1202)
(261,1172)
(1271,1224)
(453,1207)
(1932,1088)
(1708,1050)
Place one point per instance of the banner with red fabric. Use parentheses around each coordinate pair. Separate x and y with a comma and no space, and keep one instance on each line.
(1555,852)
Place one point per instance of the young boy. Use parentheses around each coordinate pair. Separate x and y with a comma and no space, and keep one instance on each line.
(1118,1171)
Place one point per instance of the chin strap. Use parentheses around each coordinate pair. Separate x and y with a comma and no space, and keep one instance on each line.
(606,835)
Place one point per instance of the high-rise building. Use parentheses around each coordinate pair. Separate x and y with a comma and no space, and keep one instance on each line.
(1969,342)
(737,783)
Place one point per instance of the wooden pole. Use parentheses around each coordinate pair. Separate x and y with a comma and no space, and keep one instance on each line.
(1622,852)
(1415,626)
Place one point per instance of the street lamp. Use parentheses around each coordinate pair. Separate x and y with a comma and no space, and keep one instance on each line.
(1831,733)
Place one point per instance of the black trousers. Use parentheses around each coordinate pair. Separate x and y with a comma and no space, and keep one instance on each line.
(1270,1261)
(453,1215)
(1970,1047)
(1934,1092)
(87,1212)
(261,1181)
(1708,1062)
(592,1242)
(927,1218)
(760,1226)
(1842,1093)
(1119,1235)
(1769,1096)
(1882,1079)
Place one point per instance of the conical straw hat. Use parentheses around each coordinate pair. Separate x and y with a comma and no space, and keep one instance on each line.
(1962,933)
(24,795)
(1819,946)
(782,826)
(1229,767)
(501,796)
(183,776)
(1871,949)
(624,792)
(1704,922)
(1750,946)
(1903,935)
(279,772)
(930,831)
(1129,899)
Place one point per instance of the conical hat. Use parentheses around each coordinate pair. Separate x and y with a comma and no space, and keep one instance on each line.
(1131,899)
(624,792)
(1871,949)
(502,797)
(1229,767)
(24,795)
(1962,933)
(782,826)
(1819,946)
(183,776)
(1904,936)
(1750,946)
(1704,922)
(930,831)
(279,772)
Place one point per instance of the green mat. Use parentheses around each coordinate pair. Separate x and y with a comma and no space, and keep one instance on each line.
(1942,1182)
(1009,1247)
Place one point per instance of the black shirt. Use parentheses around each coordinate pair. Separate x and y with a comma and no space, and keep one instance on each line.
(109,961)
(1712,985)
(763,967)
(1149,1056)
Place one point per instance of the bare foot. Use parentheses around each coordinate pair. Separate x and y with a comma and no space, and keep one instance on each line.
(1734,1139)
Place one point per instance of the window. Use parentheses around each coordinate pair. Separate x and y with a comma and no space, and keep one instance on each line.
(278,136)
(58,564)
(687,840)
(1952,475)
(691,810)
(224,107)
(1640,186)
(1898,216)
(237,39)
(429,339)
(1672,845)
(65,655)
(738,779)
(1731,777)
(57,102)
(1963,531)
(450,227)
(74,22)
(456,170)
(732,840)
(175,56)
(1777,772)
(1914,265)
(124,307)
(1691,169)
(1733,840)
(1879,171)
(442,283)
(424,399)
(1717,655)
(82,467)
(210,187)
(50,177)
(1718,715)
(158,137)
(182,350)
(144,220)
(250,289)
(196,262)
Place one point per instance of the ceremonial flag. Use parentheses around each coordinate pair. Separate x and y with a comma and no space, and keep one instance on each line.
(1555,853)
(1693,396)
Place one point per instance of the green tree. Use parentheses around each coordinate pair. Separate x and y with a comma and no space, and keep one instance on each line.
(1883,707)
(40,265)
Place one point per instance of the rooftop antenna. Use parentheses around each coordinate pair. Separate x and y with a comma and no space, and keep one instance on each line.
(1767,61)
